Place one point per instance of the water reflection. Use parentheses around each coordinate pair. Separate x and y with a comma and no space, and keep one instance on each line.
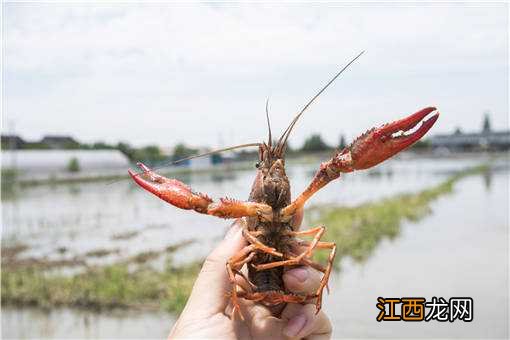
(487,179)
(74,189)
(67,323)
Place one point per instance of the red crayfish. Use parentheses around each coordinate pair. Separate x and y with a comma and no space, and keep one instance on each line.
(271,219)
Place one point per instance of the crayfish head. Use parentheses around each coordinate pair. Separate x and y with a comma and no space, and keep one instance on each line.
(271,185)
(276,185)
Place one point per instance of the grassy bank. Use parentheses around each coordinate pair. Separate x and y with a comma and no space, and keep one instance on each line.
(105,287)
(356,230)
(131,282)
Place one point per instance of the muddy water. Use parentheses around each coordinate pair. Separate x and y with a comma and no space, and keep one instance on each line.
(461,249)
(68,323)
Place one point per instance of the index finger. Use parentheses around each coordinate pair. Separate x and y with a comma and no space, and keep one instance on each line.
(208,295)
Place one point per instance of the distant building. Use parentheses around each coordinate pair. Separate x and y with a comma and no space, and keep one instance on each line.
(486,139)
(40,163)
(204,162)
(12,142)
(59,142)
(499,140)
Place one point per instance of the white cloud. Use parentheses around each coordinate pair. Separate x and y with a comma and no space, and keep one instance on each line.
(190,72)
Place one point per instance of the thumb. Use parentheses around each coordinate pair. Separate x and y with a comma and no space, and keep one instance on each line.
(210,291)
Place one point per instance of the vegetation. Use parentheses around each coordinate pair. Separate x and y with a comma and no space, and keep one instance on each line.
(106,287)
(13,251)
(35,146)
(73,165)
(150,154)
(102,252)
(314,143)
(421,145)
(182,151)
(486,122)
(342,144)
(8,183)
(132,282)
(8,175)
(125,235)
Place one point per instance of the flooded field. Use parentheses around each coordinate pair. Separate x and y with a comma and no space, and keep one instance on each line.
(459,249)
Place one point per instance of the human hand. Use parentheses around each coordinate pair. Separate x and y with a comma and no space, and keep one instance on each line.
(207,312)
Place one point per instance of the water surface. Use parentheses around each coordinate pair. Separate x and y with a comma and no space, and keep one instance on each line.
(460,249)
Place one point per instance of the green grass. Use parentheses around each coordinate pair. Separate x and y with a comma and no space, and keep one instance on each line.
(8,183)
(358,230)
(105,287)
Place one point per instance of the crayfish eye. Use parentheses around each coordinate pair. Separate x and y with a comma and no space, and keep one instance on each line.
(257,165)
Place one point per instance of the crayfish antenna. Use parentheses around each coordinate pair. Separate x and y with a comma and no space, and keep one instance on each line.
(282,141)
(270,138)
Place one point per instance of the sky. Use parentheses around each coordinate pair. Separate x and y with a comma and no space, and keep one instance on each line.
(200,73)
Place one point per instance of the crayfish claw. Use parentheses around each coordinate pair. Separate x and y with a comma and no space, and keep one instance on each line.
(378,144)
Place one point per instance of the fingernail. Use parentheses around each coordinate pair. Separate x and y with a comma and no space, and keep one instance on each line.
(295,325)
(301,274)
